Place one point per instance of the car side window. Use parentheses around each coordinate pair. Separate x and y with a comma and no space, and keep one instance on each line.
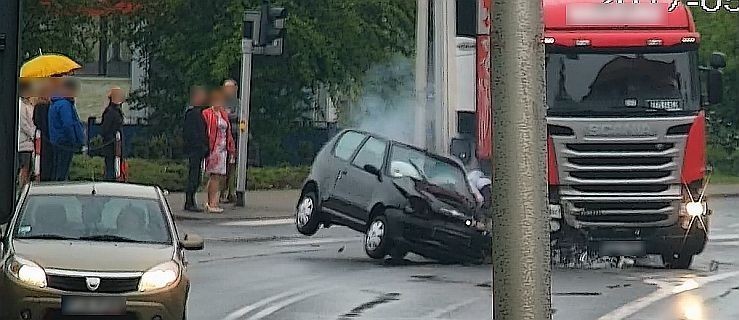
(347,144)
(372,153)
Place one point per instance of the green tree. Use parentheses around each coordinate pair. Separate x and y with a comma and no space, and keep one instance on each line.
(51,27)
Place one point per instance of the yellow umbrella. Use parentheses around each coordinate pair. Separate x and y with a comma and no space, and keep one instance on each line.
(48,65)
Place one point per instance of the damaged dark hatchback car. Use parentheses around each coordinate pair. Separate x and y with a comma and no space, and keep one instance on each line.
(402,198)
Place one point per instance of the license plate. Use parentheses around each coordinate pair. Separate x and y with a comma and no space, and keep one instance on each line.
(622,248)
(93,306)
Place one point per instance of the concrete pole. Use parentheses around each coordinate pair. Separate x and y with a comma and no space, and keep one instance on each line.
(422,56)
(445,46)
(521,267)
(9,63)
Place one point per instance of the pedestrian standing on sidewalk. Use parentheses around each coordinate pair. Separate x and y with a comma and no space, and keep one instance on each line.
(233,107)
(222,148)
(65,128)
(197,144)
(111,125)
(41,121)
(26,133)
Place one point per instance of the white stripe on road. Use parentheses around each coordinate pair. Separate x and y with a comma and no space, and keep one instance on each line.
(726,243)
(307,242)
(257,223)
(723,237)
(279,306)
(665,290)
(238,314)
(446,311)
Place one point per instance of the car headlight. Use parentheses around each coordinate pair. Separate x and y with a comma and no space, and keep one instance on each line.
(694,209)
(26,271)
(160,277)
(451,212)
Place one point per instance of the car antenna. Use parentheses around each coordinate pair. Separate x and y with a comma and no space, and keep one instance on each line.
(94,192)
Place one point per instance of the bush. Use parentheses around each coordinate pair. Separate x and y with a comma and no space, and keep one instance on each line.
(172,174)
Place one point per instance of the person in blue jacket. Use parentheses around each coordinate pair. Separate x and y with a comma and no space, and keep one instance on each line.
(65,129)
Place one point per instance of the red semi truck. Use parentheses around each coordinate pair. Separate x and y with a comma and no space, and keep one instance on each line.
(626,128)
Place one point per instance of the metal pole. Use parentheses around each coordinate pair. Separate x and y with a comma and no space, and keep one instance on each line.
(422,56)
(9,58)
(521,267)
(445,71)
(247,49)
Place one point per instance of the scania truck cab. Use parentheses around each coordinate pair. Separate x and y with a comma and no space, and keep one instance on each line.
(626,129)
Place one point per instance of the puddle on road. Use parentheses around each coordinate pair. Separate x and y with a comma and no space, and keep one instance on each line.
(576,293)
(357,312)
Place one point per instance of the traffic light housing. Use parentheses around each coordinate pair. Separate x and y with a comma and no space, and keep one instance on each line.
(272,29)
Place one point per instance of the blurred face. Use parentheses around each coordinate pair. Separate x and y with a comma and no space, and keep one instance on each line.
(116,96)
(230,89)
(198,98)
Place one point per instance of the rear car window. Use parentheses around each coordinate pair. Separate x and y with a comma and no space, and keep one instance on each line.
(372,153)
(93,218)
(347,144)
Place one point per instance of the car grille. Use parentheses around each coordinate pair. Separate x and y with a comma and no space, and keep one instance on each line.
(107,285)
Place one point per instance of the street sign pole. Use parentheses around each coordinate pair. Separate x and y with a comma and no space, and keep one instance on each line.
(9,49)
(521,255)
(251,32)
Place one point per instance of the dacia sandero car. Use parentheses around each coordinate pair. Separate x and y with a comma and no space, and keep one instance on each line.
(93,251)
(404,199)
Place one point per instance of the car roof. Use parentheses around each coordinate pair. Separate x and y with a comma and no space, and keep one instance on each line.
(111,189)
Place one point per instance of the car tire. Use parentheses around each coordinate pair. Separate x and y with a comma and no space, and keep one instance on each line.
(307,211)
(376,239)
(677,261)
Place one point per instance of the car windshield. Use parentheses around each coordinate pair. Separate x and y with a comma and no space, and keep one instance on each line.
(622,83)
(92,218)
(408,162)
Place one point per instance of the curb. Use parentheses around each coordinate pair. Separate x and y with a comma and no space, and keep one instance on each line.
(187,217)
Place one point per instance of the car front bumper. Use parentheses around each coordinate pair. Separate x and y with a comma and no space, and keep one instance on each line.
(45,303)
(438,238)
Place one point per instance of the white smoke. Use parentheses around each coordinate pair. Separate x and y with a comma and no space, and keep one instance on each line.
(387,104)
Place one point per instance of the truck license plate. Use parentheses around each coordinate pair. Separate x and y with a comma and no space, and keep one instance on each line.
(93,306)
(622,248)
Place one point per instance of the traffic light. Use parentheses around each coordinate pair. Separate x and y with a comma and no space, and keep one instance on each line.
(272,29)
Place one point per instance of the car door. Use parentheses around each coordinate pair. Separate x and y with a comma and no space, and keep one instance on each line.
(344,149)
(358,185)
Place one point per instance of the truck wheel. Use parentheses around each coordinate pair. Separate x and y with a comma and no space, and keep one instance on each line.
(677,260)
(376,240)
(307,214)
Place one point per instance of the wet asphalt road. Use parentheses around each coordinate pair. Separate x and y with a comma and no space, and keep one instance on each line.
(271,272)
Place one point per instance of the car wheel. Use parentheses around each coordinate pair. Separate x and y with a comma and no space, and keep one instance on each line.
(376,241)
(306,214)
(677,261)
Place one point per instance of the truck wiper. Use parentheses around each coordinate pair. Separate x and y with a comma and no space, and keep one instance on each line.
(110,238)
(48,236)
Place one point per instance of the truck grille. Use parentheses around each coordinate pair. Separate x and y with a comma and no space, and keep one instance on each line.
(107,285)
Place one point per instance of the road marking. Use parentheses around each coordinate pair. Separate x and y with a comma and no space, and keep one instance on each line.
(726,243)
(238,314)
(665,290)
(723,237)
(437,314)
(279,306)
(307,242)
(734,226)
(258,223)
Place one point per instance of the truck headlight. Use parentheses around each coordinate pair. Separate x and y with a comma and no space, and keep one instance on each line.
(694,209)
(160,277)
(26,271)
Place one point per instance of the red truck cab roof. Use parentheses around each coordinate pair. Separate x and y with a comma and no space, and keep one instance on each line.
(592,23)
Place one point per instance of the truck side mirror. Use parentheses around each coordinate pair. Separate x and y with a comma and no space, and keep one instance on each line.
(715,86)
(718,60)
(462,149)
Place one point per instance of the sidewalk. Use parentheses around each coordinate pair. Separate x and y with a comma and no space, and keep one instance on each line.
(259,205)
(280,204)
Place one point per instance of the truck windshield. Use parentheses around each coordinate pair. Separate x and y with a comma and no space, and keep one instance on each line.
(634,84)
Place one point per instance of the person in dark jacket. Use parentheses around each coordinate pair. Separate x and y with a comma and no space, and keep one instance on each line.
(41,121)
(197,144)
(65,128)
(111,125)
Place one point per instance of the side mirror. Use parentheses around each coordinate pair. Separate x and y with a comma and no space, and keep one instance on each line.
(718,60)
(373,170)
(462,149)
(715,86)
(192,242)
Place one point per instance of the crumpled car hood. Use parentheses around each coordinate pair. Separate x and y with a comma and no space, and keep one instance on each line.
(436,196)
